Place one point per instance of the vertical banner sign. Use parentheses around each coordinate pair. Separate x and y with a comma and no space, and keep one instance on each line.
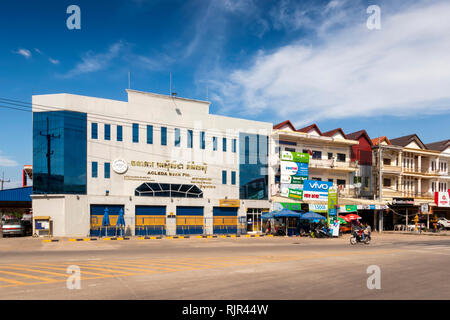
(294,171)
(332,204)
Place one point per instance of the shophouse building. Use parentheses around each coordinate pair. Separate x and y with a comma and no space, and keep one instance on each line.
(410,174)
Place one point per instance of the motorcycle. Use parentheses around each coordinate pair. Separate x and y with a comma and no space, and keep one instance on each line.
(357,236)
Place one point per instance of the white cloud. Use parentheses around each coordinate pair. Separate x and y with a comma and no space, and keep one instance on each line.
(50,59)
(351,71)
(24,52)
(92,62)
(7,162)
(53,61)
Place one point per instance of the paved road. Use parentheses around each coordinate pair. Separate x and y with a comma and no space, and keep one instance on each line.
(412,267)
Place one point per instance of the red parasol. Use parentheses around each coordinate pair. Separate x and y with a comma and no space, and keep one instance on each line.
(352,216)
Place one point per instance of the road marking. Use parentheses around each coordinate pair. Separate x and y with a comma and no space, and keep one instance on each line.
(35,270)
(27,276)
(108,265)
(88,266)
(65,268)
(11,281)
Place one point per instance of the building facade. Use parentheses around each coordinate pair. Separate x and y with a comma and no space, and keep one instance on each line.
(410,174)
(165,163)
(330,159)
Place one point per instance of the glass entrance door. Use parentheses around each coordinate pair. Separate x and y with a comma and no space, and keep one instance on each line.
(254,221)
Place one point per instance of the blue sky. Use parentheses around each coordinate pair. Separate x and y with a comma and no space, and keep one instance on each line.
(307,61)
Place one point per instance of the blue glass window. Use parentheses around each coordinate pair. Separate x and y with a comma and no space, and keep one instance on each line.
(190,134)
(234,145)
(215,143)
(59,152)
(107,132)
(177,137)
(119,133)
(107,170)
(224,177)
(94,130)
(149,134)
(224,144)
(202,140)
(135,132)
(253,168)
(94,169)
(233,177)
(164,136)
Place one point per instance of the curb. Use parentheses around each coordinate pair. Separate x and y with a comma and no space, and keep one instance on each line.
(50,240)
(149,238)
(116,238)
(418,234)
(83,239)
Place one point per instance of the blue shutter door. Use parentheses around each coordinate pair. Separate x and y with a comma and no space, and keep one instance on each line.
(150,220)
(189,220)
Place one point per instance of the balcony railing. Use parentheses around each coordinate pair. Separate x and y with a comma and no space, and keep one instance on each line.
(331,163)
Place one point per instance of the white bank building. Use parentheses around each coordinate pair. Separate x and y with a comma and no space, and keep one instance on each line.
(164,164)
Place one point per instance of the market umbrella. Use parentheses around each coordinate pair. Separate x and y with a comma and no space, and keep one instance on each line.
(286,213)
(312,216)
(268,215)
(342,220)
(120,221)
(352,216)
(105,222)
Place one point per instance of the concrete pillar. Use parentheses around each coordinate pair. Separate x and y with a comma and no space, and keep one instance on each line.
(400,158)
(375,220)
(419,186)
(406,218)
(380,221)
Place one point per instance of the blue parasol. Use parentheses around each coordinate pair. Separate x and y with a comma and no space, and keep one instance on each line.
(120,220)
(105,221)
(313,216)
(286,213)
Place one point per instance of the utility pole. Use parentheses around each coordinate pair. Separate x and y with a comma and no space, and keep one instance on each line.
(380,194)
(49,151)
(2,180)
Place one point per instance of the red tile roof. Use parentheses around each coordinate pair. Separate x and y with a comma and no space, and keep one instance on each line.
(376,141)
(284,123)
(358,134)
(308,128)
(332,132)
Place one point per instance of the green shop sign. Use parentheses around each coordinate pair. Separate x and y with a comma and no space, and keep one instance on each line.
(291,206)
(295,156)
(292,193)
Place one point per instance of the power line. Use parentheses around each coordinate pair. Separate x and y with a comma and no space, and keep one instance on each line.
(126,121)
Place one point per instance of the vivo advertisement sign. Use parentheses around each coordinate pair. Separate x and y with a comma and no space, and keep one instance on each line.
(316,190)
(297,169)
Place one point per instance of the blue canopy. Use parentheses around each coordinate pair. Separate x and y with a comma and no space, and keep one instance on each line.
(120,220)
(105,221)
(285,213)
(313,216)
(268,215)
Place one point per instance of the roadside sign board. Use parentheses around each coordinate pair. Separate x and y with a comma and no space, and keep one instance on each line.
(295,156)
(332,203)
(297,169)
(316,190)
(442,199)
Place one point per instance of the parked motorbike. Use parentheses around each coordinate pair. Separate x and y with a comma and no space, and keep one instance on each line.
(357,236)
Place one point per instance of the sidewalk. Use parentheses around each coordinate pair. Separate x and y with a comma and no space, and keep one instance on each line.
(417,233)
